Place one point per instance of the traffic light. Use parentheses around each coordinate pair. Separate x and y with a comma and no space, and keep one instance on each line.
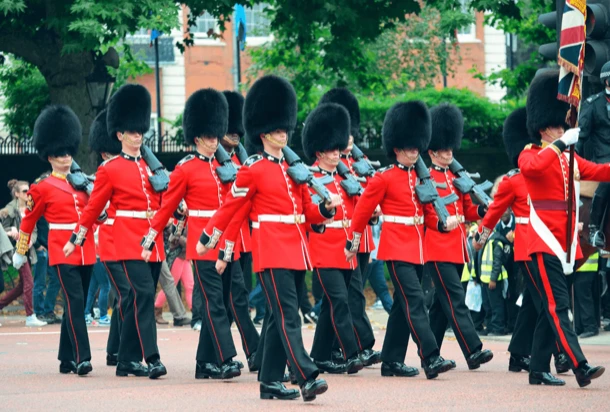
(597,46)
(551,20)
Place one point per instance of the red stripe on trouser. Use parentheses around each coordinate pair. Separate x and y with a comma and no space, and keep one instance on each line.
(332,315)
(260,275)
(117,289)
(421,352)
(552,308)
(284,325)
(135,309)
(241,332)
(207,305)
(451,307)
(69,313)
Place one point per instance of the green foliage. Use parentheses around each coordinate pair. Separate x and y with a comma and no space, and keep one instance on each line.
(25,92)
(130,67)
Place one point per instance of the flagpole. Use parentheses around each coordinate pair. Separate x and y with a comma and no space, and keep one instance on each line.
(158,86)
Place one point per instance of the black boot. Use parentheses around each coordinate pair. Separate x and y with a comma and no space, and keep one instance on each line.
(478,358)
(277,390)
(561,363)
(112,359)
(353,365)
(331,367)
(544,378)
(370,357)
(206,370)
(131,368)
(585,373)
(435,365)
(84,368)
(156,369)
(237,363)
(67,367)
(229,369)
(313,387)
(251,366)
(398,369)
(518,363)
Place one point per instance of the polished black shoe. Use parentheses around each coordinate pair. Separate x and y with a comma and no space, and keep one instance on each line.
(251,366)
(545,378)
(353,365)
(185,321)
(518,363)
(331,367)
(398,369)
(312,388)
(588,334)
(337,356)
(229,370)
(435,365)
(478,358)
(131,368)
(67,367)
(562,365)
(112,359)
(84,368)
(206,370)
(277,390)
(156,369)
(585,373)
(370,357)
(237,363)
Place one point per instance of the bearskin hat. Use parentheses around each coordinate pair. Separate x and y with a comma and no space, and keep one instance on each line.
(515,134)
(447,127)
(206,113)
(129,110)
(326,128)
(236,107)
(345,98)
(57,132)
(543,108)
(271,104)
(99,139)
(406,126)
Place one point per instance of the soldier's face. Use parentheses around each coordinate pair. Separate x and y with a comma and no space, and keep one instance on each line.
(329,159)
(207,145)
(406,157)
(61,163)
(442,157)
(350,145)
(277,139)
(131,139)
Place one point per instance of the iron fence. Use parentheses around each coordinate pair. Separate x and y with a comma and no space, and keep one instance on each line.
(14,145)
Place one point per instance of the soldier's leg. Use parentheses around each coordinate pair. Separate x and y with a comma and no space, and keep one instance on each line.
(397,334)
(119,283)
(438,319)
(245,261)
(239,309)
(521,341)
(357,306)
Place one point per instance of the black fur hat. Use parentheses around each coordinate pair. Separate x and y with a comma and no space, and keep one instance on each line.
(236,108)
(99,139)
(515,134)
(57,132)
(206,113)
(345,98)
(447,127)
(406,126)
(543,108)
(129,110)
(271,104)
(326,128)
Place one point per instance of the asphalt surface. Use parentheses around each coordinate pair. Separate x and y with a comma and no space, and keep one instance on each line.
(29,379)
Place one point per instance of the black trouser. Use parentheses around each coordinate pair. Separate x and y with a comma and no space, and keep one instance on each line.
(335,320)
(303,295)
(363,262)
(119,283)
(552,283)
(523,334)
(73,338)
(357,307)
(584,306)
(283,340)
(449,307)
(511,311)
(239,311)
(197,308)
(245,261)
(258,356)
(215,339)
(408,315)
(496,306)
(139,326)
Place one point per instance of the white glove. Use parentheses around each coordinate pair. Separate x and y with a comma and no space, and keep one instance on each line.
(570,137)
(19,260)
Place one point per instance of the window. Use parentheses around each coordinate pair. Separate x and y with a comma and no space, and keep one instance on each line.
(205,23)
(466,33)
(257,22)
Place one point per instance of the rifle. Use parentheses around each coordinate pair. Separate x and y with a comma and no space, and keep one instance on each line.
(160,178)
(227,172)
(302,175)
(362,166)
(427,193)
(465,184)
(79,180)
(241,153)
(349,182)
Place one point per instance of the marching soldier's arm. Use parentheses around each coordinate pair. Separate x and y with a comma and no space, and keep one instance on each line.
(504,198)
(593,171)
(171,199)
(534,163)
(35,207)
(315,213)
(229,238)
(102,191)
(472,212)
(372,196)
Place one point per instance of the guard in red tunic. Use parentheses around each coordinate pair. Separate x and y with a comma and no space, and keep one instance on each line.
(283,209)
(324,136)
(195,180)
(406,132)
(357,300)
(512,193)
(57,135)
(124,181)
(545,170)
(445,248)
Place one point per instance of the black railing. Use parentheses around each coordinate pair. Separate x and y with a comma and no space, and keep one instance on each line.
(142,50)
(14,145)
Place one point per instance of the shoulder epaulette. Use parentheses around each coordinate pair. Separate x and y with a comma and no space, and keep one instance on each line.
(105,162)
(531,146)
(186,159)
(385,169)
(513,172)
(253,159)
(41,178)
(594,97)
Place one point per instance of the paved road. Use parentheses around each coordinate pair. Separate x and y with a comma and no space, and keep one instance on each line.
(29,379)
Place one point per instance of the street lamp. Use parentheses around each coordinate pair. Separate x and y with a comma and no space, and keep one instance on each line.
(99,86)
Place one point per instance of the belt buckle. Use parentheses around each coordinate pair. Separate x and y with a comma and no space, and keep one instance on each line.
(345,223)
(416,220)
(460,219)
(298,219)
(149,214)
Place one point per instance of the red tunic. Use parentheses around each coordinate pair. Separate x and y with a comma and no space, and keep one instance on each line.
(123,180)
(512,193)
(448,246)
(194,179)
(105,237)
(60,204)
(273,195)
(366,243)
(327,248)
(245,240)
(545,171)
(393,188)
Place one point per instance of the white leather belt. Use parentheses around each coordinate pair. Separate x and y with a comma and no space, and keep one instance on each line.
(522,220)
(62,226)
(339,224)
(109,222)
(136,214)
(256,225)
(201,213)
(287,219)
(404,220)
(460,218)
